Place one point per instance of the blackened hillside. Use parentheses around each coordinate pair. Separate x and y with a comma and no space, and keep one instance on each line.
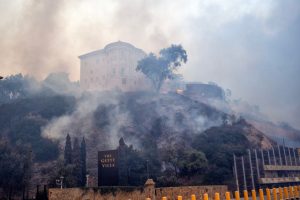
(21,122)
(184,141)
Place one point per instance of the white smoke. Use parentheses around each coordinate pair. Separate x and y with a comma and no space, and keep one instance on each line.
(81,122)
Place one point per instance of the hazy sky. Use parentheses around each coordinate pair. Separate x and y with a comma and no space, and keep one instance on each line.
(250,47)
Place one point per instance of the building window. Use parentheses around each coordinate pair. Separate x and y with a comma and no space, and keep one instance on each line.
(124,81)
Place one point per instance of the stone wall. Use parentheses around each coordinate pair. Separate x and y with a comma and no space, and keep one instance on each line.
(96,194)
(134,193)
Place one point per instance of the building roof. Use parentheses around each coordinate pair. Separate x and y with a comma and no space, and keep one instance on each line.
(118,44)
(109,47)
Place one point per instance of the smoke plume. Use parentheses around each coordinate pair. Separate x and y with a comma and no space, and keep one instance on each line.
(251,46)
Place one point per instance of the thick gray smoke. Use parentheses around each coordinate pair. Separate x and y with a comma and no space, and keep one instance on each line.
(251,47)
(81,122)
(32,37)
(107,116)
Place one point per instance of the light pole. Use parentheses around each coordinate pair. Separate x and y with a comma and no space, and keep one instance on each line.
(61,182)
(87,180)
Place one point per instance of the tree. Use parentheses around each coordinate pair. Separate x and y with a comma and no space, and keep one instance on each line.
(163,67)
(193,162)
(14,168)
(73,167)
(77,162)
(132,166)
(219,144)
(27,171)
(184,161)
(67,171)
(68,151)
(83,161)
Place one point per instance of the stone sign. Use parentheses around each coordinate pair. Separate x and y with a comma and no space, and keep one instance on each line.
(108,173)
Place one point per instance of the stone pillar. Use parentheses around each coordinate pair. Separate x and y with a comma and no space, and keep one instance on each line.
(149,189)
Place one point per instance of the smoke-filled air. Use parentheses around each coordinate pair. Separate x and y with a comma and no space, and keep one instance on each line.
(255,41)
(172,92)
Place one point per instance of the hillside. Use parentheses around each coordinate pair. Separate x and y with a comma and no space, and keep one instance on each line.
(21,122)
(181,139)
(278,132)
(158,126)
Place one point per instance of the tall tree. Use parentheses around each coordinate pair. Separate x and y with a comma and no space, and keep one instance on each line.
(77,162)
(27,171)
(122,151)
(163,67)
(68,151)
(132,166)
(183,160)
(12,161)
(83,161)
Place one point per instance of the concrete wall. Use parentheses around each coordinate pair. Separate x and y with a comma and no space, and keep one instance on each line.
(134,193)
(95,194)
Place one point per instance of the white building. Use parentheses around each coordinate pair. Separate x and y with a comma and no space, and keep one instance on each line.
(113,68)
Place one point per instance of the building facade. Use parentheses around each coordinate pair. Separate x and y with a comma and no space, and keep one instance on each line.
(203,91)
(113,68)
(278,166)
